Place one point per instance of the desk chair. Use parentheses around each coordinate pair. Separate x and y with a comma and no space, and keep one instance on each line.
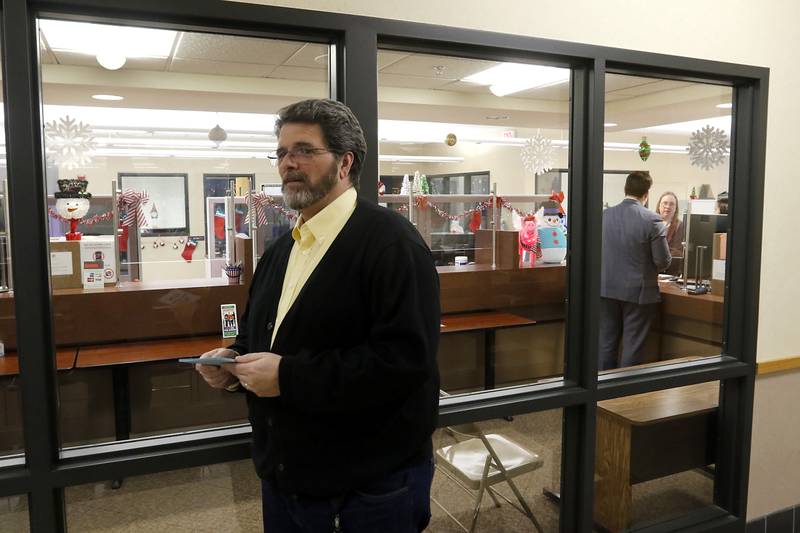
(477,461)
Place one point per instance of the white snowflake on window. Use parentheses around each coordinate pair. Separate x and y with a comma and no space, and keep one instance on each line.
(708,147)
(68,142)
(537,154)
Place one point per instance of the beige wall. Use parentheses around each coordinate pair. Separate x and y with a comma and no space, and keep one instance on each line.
(775,455)
(738,31)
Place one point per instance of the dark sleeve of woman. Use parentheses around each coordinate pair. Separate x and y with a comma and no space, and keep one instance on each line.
(676,241)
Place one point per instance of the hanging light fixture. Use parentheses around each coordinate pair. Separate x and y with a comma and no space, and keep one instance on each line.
(217,135)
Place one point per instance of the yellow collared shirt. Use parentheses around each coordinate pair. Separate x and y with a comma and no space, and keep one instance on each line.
(311,240)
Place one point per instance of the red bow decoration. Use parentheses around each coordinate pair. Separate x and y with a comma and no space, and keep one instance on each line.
(422,202)
(130,203)
(558,197)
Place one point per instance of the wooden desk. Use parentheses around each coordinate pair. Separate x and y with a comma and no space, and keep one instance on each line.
(130,353)
(488,322)
(65,360)
(648,436)
(121,356)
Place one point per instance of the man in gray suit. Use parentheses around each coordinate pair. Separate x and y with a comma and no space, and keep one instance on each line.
(635,250)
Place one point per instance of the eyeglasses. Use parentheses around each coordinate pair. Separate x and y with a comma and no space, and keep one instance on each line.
(300,153)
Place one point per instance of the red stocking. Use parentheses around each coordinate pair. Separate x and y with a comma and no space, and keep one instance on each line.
(188,250)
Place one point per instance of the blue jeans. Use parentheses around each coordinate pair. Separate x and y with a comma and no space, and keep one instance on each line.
(397,503)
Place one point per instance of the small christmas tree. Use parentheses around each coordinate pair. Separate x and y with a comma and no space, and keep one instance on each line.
(405,188)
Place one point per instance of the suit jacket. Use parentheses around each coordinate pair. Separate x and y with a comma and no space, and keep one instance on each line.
(359,383)
(635,250)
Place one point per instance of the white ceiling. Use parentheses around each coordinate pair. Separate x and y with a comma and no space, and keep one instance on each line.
(210,72)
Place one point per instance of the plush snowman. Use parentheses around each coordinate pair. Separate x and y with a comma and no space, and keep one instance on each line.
(552,236)
(72,203)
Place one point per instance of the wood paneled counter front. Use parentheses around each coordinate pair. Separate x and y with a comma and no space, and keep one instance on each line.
(144,312)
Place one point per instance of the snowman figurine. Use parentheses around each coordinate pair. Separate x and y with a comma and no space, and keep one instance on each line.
(552,235)
(72,203)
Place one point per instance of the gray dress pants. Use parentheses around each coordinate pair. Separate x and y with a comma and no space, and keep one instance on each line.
(629,322)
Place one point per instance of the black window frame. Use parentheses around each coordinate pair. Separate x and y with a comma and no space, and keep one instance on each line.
(353,80)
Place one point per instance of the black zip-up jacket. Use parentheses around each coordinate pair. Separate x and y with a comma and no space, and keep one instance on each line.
(358,380)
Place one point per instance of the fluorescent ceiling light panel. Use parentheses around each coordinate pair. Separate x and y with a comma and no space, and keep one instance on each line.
(93,39)
(508,78)
(723,123)
(725,106)
(161,119)
(610,124)
(108,97)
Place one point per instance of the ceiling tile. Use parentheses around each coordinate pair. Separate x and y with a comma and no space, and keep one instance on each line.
(300,73)
(220,68)
(307,57)
(655,87)
(233,48)
(413,82)
(559,92)
(87,60)
(386,58)
(423,66)
(466,87)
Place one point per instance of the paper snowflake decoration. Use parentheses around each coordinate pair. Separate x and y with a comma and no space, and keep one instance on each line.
(68,142)
(708,147)
(537,154)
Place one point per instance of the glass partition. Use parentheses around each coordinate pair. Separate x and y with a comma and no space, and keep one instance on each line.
(474,153)
(11,437)
(528,447)
(161,199)
(665,223)
(14,516)
(220,497)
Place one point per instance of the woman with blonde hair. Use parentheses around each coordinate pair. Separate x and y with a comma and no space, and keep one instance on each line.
(667,207)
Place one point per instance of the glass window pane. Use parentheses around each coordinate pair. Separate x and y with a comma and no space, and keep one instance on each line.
(529,447)
(14,514)
(221,497)
(11,438)
(665,221)
(453,130)
(164,134)
(655,455)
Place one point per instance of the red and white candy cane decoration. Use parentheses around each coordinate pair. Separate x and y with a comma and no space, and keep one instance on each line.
(131,202)
(261,201)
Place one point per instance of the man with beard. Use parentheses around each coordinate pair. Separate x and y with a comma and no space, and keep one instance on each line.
(336,351)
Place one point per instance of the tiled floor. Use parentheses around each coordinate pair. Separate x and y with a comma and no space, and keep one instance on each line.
(226,497)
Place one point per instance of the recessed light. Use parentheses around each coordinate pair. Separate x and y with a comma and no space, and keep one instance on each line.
(111,60)
(725,106)
(108,97)
(610,124)
(497,117)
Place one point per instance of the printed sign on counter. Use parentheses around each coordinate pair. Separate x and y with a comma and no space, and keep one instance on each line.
(230,324)
(100,249)
(93,275)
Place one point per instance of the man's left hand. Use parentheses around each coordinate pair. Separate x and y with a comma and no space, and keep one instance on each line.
(258,373)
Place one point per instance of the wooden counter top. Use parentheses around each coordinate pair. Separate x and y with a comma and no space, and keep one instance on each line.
(479,321)
(701,307)
(65,360)
(659,406)
(148,351)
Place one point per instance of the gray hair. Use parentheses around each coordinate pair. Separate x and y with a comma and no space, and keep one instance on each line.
(340,128)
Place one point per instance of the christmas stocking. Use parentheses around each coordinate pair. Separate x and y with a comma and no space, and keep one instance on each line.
(188,250)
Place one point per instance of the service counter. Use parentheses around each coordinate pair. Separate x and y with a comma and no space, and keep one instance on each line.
(499,327)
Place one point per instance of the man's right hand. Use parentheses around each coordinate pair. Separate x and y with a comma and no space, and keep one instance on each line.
(216,376)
